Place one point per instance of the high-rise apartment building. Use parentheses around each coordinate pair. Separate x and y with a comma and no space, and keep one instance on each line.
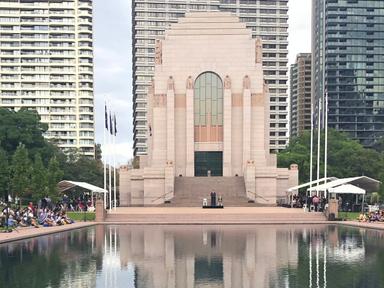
(348,65)
(46,63)
(300,94)
(266,18)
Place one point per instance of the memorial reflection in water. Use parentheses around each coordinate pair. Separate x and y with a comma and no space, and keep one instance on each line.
(198,256)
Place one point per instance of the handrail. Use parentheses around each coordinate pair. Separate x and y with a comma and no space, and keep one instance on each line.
(258,196)
(162,196)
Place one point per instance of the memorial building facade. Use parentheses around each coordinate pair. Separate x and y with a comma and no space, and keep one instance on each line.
(208,114)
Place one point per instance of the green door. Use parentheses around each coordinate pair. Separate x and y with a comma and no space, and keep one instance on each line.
(208,161)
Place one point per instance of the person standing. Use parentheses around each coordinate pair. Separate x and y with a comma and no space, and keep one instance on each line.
(316,201)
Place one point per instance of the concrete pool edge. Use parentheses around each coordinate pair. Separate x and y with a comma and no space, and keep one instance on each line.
(31,232)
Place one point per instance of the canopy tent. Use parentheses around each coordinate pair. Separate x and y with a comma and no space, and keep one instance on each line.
(314,182)
(66,185)
(364,182)
(347,189)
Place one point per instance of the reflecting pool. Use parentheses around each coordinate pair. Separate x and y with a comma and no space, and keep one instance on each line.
(197,256)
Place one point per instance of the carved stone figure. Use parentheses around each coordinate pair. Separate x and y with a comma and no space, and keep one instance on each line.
(259,51)
(190,83)
(171,83)
(246,82)
(227,82)
(158,53)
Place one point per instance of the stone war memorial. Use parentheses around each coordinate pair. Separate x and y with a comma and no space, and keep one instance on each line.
(208,120)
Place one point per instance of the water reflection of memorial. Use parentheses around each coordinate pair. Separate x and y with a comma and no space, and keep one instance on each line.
(229,257)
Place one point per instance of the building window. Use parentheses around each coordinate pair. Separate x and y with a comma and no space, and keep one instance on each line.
(208,108)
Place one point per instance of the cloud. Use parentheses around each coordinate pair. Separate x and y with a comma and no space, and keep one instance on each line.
(299,28)
(113,74)
(122,152)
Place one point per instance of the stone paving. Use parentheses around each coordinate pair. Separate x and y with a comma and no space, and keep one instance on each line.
(228,215)
(29,232)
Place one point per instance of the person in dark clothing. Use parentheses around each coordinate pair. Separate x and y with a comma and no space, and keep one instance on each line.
(213,199)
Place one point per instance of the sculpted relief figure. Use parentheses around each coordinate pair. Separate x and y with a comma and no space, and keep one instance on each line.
(247,82)
(227,82)
(190,83)
(158,53)
(259,51)
(171,83)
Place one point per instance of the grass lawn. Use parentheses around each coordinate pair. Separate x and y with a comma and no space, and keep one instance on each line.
(79,216)
(349,215)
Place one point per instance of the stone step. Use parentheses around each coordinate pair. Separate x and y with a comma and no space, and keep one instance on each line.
(190,191)
(228,218)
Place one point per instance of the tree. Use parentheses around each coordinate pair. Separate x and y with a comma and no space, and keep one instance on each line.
(39,180)
(4,173)
(346,157)
(21,172)
(55,175)
(21,126)
(84,169)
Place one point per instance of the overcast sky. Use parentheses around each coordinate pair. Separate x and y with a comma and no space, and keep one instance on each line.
(113,63)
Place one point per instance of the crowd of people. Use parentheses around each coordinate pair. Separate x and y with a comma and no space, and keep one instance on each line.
(32,216)
(377,216)
(313,203)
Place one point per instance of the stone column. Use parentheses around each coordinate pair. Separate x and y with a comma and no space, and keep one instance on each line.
(100,211)
(159,131)
(170,121)
(227,131)
(190,133)
(246,122)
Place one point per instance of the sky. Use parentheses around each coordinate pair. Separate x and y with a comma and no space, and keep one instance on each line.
(113,64)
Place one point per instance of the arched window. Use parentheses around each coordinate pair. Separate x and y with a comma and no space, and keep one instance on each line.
(208,108)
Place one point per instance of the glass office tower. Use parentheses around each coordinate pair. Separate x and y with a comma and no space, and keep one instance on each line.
(348,58)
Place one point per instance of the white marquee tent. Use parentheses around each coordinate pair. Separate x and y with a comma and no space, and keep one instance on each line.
(66,185)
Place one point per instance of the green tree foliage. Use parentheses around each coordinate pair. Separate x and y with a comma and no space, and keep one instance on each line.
(84,169)
(4,173)
(55,174)
(39,179)
(31,166)
(346,157)
(23,126)
(21,172)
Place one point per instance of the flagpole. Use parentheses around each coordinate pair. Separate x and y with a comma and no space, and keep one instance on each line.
(110,160)
(114,161)
(326,141)
(311,157)
(318,146)
(105,154)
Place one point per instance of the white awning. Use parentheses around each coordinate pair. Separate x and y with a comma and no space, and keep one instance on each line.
(364,182)
(346,189)
(314,182)
(66,185)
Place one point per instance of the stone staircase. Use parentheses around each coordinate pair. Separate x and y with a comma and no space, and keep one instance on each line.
(190,191)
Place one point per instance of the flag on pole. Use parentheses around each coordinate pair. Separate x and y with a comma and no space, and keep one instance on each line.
(106,117)
(114,125)
(110,124)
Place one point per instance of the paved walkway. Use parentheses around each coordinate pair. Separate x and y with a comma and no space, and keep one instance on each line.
(201,211)
(197,215)
(29,232)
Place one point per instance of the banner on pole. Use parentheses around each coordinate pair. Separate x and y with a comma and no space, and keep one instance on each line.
(106,117)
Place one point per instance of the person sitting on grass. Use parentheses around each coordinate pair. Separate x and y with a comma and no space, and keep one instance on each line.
(362,217)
